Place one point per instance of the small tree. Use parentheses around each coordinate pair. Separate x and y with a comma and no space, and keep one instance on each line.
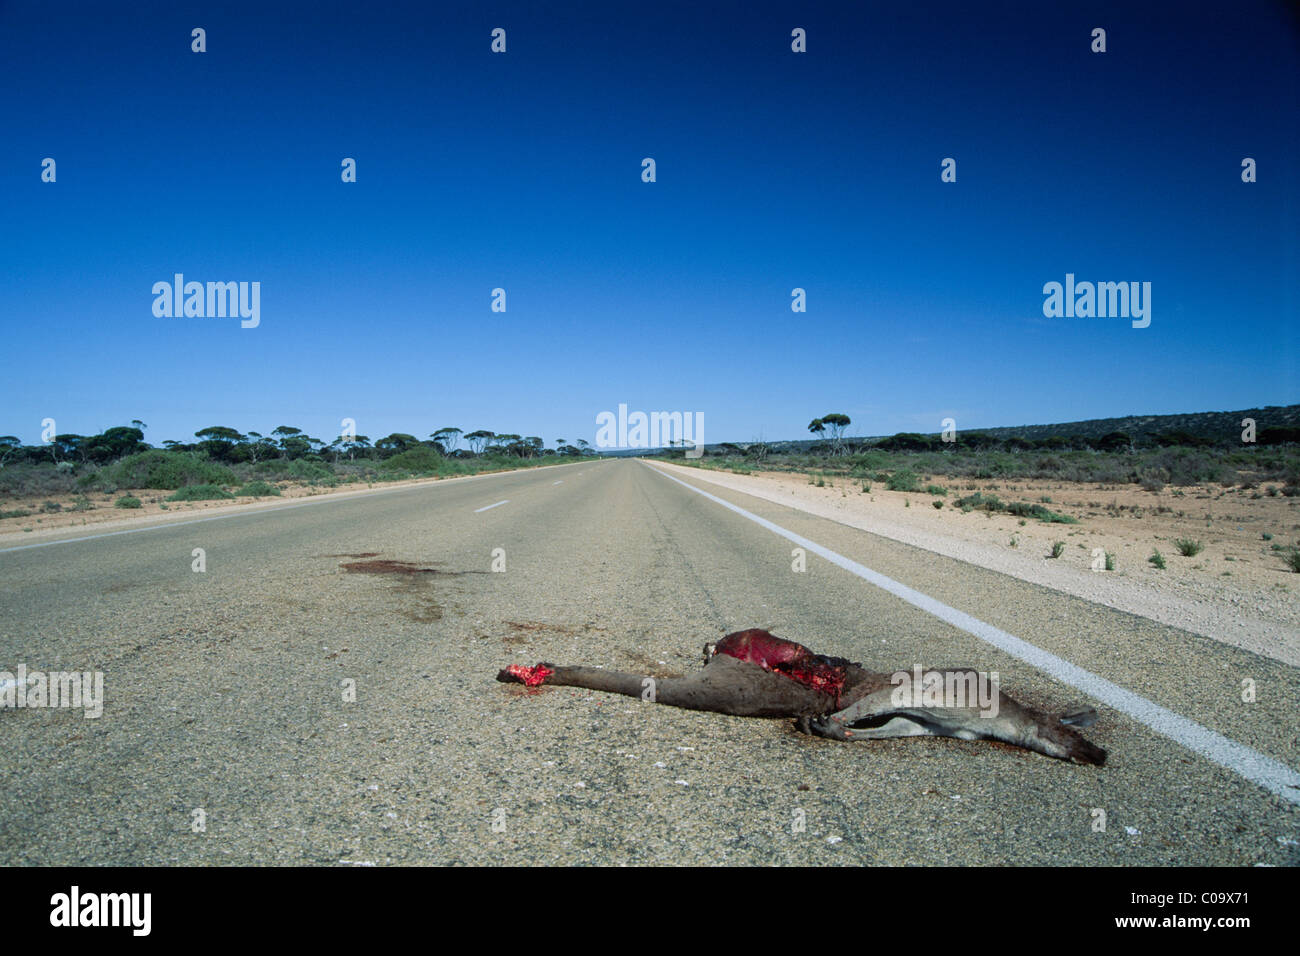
(448,438)
(817,427)
(114,443)
(286,437)
(65,446)
(1115,441)
(835,423)
(11,447)
(217,441)
(477,439)
(395,444)
(509,445)
(259,447)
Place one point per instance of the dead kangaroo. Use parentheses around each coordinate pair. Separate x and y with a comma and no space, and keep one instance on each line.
(756,674)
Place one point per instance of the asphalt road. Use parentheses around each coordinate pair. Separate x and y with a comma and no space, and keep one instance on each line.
(224,693)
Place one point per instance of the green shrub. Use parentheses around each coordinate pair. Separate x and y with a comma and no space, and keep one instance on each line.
(200,493)
(982,502)
(1058,548)
(1110,561)
(904,480)
(938,503)
(313,471)
(992,503)
(1022,509)
(418,460)
(127,501)
(1157,559)
(1292,559)
(96,478)
(1153,479)
(51,507)
(1186,466)
(167,469)
(16,513)
(81,503)
(276,469)
(257,489)
(1188,548)
(936,490)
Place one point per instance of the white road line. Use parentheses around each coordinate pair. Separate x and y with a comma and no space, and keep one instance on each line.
(489,507)
(557,483)
(324,499)
(1271,774)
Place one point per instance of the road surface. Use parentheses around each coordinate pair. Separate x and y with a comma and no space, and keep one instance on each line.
(227,735)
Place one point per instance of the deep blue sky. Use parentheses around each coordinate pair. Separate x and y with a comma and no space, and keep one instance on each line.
(522,170)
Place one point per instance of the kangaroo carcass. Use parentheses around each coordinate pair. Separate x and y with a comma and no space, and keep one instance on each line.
(755,674)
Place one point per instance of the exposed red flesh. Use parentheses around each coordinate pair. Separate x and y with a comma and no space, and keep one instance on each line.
(819,675)
(761,648)
(530,676)
(787,658)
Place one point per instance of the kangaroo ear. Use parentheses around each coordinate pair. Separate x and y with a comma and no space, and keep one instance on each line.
(1080,717)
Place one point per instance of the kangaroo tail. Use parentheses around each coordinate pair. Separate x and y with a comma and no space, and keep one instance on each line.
(592,678)
(725,686)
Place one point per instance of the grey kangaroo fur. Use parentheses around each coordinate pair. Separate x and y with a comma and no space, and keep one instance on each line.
(754,674)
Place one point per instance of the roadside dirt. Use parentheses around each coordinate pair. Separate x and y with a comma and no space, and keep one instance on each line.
(104,515)
(1237,589)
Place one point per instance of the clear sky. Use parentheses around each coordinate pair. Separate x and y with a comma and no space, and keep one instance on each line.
(522,170)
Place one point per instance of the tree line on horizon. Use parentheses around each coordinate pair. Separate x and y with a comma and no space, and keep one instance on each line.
(834,424)
(226,445)
(1117,441)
